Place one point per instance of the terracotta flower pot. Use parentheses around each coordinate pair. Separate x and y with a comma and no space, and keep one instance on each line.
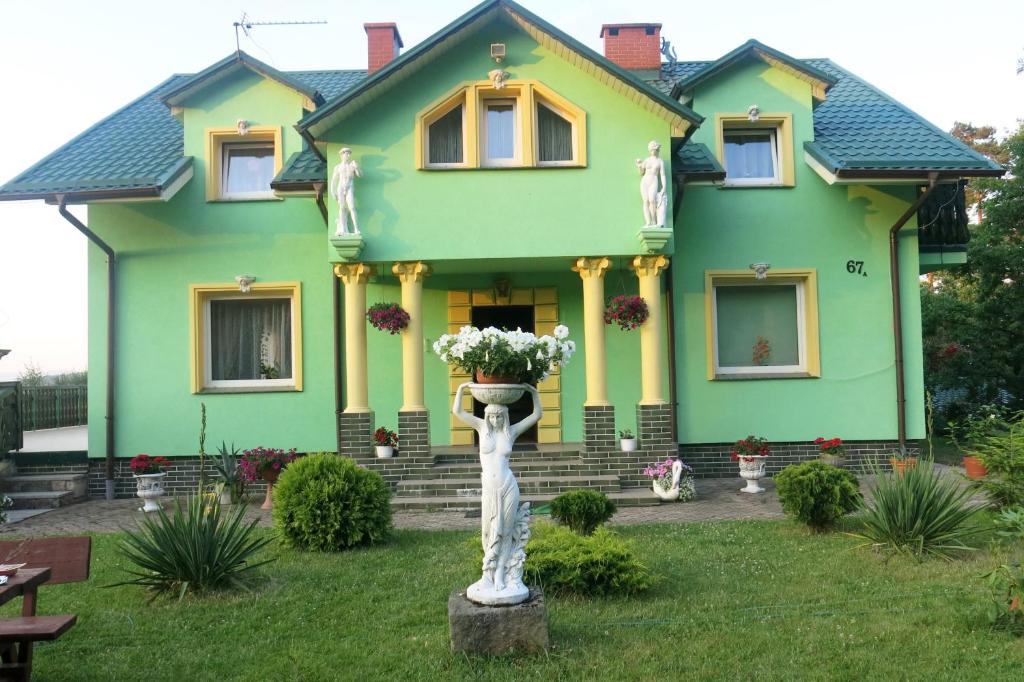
(270,476)
(901,466)
(482,378)
(975,469)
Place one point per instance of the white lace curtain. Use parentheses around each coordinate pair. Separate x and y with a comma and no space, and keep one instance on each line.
(554,136)
(251,339)
(749,156)
(446,138)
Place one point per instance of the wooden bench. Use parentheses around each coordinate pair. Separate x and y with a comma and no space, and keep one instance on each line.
(47,561)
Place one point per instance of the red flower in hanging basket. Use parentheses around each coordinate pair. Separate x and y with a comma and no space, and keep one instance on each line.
(629,312)
(388,317)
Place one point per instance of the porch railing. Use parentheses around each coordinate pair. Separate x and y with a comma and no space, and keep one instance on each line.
(10,418)
(50,407)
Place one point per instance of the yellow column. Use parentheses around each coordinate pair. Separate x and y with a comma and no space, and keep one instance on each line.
(592,272)
(411,276)
(648,271)
(355,276)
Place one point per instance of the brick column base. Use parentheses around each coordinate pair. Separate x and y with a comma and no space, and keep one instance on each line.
(354,429)
(414,433)
(654,426)
(599,432)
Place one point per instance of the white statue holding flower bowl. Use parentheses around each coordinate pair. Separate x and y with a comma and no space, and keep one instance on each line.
(506,364)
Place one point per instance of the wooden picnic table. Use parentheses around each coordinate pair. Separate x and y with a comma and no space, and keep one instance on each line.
(25,583)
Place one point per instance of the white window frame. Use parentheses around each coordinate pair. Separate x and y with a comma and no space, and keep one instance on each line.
(775,179)
(538,101)
(517,134)
(801,324)
(461,105)
(207,341)
(225,147)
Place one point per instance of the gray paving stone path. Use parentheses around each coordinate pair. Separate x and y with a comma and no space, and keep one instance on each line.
(718,499)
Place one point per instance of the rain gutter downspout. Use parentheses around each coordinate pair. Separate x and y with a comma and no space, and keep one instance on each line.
(336,313)
(111,328)
(897,310)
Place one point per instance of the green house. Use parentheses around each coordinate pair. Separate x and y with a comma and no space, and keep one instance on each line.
(509,176)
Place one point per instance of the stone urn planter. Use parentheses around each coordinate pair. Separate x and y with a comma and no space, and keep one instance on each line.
(752,469)
(384,451)
(150,488)
(270,476)
(834,460)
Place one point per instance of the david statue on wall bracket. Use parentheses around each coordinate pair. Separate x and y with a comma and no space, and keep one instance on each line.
(342,190)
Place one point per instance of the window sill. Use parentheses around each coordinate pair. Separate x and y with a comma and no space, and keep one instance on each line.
(760,375)
(249,389)
(237,200)
(503,168)
(755,185)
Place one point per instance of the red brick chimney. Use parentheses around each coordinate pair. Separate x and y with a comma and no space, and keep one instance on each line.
(633,46)
(383,44)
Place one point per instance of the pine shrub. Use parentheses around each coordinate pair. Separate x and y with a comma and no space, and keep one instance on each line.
(817,493)
(582,510)
(325,503)
(564,562)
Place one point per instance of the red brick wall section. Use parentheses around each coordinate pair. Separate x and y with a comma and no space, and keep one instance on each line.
(633,46)
(383,44)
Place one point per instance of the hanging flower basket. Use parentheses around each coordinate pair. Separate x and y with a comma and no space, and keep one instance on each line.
(629,312)
(388,317)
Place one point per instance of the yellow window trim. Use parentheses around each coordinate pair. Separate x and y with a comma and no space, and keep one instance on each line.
(811,335)
(215,140)
(472,95)
(199,294)
(781,123)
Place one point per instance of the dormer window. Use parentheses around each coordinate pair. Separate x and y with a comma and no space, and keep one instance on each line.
(751,156)
(756,151)
(240,166)
(522,124)
(247,169)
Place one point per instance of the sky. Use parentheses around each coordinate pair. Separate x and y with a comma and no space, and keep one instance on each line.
(68,63)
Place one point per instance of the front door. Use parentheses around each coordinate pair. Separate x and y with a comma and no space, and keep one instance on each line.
(508,317)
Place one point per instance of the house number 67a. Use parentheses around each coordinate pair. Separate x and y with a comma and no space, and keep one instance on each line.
(856,267)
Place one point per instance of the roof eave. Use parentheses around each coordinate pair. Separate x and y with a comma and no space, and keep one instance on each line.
(163,189)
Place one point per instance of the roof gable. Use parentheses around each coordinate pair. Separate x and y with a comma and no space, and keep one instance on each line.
(230,65)
(819,80)
(326,117)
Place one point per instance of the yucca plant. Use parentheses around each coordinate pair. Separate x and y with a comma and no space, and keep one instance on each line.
(921,512)
(195,549)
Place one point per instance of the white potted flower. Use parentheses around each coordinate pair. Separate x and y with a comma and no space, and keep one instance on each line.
(672,480)
(149,476)
(627,441)
(751,454)
(501,361)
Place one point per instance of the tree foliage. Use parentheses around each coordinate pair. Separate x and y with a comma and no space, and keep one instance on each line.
(973,317)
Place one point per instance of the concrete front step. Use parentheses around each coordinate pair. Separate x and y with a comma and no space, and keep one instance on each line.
(528,485)
(77,484)
(50,499)
(629,497)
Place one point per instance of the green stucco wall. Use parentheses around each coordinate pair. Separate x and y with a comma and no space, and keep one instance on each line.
(811,225)
(410,214)
(163,248)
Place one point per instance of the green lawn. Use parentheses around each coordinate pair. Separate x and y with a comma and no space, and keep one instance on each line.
(737,600)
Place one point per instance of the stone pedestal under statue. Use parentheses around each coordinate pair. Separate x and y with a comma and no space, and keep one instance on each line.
(493,630)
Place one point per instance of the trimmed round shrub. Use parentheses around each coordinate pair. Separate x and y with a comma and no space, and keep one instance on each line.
(817,493)
(564,562)
(325,503)
(582,510)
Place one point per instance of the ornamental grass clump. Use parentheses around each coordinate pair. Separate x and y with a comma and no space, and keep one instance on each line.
(817,493)
(197,549)
(388,317)
(325,503)
(582,510)
(629,312)
(518,355)
(922,512)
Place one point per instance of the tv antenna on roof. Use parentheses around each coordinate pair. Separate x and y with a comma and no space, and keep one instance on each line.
(246,24)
